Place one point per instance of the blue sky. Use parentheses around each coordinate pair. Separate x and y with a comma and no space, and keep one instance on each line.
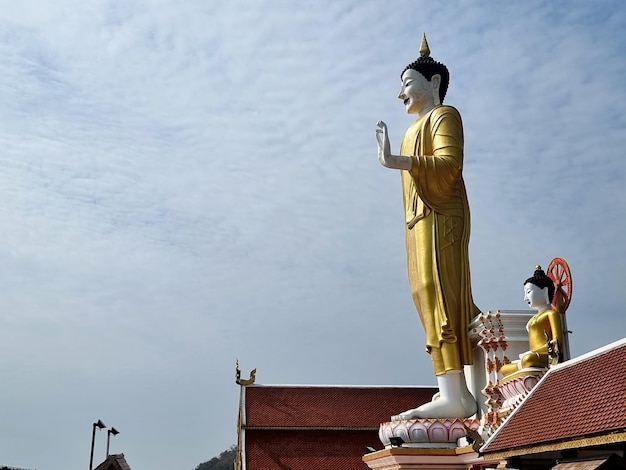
(187,184)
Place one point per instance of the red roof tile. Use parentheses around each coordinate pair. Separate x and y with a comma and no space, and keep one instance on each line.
(577,399)
(328,406)
(308,450)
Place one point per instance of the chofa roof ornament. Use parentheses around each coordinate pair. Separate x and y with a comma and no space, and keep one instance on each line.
(241,381)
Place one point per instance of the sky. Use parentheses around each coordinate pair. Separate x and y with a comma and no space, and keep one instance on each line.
(185,184)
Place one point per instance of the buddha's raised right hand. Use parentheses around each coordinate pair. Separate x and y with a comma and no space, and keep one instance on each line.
(385,158)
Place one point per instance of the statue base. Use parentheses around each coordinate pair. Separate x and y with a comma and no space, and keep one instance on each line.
(514,388)
(440,433)
(401,458)
(426,444)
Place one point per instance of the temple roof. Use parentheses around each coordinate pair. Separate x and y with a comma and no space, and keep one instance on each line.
(307,406)
(575,403)
(311,427)
(114,462)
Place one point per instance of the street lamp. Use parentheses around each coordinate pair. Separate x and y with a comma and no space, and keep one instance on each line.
(113,431)
(100,425)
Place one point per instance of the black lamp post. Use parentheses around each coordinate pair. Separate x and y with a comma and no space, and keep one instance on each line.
(113,431)
(99,425)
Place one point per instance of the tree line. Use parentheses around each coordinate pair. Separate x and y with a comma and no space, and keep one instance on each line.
(225,461)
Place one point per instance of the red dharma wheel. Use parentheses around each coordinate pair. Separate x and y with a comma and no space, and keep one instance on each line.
(559,272)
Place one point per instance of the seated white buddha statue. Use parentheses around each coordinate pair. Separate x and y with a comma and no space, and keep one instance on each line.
(545,330)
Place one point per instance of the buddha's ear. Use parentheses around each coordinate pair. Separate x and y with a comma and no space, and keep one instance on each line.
(435,81)
(546,294)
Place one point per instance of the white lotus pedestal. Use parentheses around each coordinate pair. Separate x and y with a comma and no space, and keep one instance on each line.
(424,444)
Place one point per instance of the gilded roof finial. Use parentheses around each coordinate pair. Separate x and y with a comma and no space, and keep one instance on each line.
(424,49)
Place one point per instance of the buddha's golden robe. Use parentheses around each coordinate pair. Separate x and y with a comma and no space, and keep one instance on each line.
(547,322)
(437,235)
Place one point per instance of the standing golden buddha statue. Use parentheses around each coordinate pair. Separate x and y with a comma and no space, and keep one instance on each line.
(437,230)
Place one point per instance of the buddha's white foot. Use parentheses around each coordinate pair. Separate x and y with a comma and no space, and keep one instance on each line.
(469,404)
(453,401)
(409,414)
(440,409)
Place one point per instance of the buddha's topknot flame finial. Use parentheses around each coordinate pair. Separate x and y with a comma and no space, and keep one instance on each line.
(424,49)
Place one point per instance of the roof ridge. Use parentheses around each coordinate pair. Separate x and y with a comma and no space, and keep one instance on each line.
(589,355)
(338,386)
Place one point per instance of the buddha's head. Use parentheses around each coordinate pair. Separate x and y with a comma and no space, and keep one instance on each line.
(424,82)
(538,290)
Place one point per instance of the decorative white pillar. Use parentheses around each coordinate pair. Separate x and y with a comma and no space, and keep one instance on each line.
(498,337)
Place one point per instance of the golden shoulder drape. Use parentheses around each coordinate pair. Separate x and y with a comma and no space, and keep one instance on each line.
(437,235)
(547,322)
